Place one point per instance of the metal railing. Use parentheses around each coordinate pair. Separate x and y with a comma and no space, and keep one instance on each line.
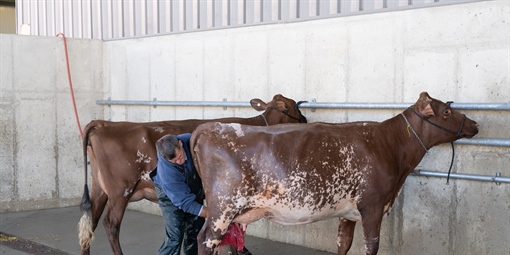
(310,105)
(391,106)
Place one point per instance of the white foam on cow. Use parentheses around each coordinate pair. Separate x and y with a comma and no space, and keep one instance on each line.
(127,192)
(236,126)
(144,175)
(142,157)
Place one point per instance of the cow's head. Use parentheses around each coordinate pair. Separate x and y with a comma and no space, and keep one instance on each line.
(279,110)
(448,124)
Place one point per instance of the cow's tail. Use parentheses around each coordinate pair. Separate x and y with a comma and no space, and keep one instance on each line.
(86,233)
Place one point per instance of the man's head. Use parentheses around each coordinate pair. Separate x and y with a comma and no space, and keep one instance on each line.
(171,149)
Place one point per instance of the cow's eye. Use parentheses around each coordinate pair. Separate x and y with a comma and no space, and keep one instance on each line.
(447,112)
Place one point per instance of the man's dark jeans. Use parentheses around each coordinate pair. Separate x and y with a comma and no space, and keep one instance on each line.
(179,225)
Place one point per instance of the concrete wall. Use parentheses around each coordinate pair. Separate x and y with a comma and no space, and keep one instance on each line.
(459,53)
(40,146)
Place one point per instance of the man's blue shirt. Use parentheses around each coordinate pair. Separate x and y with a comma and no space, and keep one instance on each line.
(180,183)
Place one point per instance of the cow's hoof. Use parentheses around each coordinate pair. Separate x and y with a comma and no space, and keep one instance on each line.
(244,252)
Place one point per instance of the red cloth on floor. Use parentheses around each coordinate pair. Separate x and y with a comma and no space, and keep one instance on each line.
(234,236)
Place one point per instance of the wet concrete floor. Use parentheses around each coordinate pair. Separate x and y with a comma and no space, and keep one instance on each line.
(54,231)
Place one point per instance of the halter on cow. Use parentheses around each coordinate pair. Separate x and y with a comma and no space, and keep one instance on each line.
(123,153)
(297,174)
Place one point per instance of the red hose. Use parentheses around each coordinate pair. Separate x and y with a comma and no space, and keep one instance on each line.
(71,84)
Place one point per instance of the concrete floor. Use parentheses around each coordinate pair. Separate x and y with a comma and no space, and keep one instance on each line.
(141,233)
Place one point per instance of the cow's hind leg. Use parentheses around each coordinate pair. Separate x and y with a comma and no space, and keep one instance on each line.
(345,235)
(205,245)
(210,239)
(98,200)
(201,239)
(112,219)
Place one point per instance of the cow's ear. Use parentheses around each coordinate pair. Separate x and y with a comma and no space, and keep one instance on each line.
(423,104)
(258,104)
(281,105)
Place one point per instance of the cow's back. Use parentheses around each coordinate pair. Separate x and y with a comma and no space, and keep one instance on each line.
(135,141)
(294,145)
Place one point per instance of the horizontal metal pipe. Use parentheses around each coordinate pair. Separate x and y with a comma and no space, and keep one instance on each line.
(485,142)
(312,105)
(174,103)
(472,177)
(460,106)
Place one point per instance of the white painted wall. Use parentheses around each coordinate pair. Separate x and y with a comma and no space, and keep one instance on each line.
(459,53)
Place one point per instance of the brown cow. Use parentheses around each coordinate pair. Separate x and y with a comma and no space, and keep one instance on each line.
(123,153)
(295,174)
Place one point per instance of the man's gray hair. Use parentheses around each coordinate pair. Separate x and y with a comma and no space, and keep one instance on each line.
(166,146)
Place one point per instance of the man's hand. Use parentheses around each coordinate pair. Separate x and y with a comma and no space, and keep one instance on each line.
(203,213)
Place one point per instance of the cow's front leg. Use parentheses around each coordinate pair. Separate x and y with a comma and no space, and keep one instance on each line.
(345,235)
(371,221)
